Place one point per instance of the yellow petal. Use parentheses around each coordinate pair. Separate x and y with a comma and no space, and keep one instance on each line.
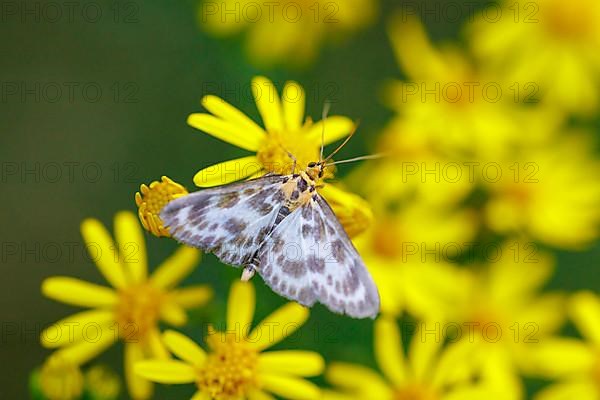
(292,362)
(102,250)
(223,130)
(293,100)
(78,293)
(240,307)
(356,378)
(155,344)
(569,390)
(256,394)
(87,326)
(268,103)
(175,268)
(584,308)
(455,364)
(227,112)
(83,326)
(172,313)
(184,348)
(388,350)
(277,326)
(562,357)
(165,371)
(82,352)
(132,247)
(227,172)
(333,395)
(201,396)
(192,296)
(289,387)
(137,386)
(423,348)
(336,127)
(353,212)
(469,393)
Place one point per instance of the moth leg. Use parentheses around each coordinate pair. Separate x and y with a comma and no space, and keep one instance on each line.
(290,155)
(248,273)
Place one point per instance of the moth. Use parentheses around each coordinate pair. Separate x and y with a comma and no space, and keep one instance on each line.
(280,227)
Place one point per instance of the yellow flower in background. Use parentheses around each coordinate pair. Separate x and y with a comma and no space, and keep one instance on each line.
(408,254)
(59,379)
(427,372)
(415,170)
(551,43)
(236,365)
(454,104)
(548,193)
(129,311)
(286,130)
(502,313)
(575,363)
(102,382)
(288,32)
(152,198)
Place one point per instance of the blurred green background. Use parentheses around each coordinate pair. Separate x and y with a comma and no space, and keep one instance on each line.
(152,64)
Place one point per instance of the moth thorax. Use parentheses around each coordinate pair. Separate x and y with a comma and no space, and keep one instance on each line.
(313,172)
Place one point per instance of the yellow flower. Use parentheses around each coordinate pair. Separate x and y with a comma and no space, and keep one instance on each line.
(59,379)
(102,383)
(286,32)
(531,36)
(235,365)
(414,170)
(152,199)
(455,105)
(550,193)
(418,227)
(575,363)
(285,131)
(408,253)
(427,372)
(132,310)
(501,312)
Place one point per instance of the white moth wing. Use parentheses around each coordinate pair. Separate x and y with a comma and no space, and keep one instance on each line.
(229,221)
(309,257)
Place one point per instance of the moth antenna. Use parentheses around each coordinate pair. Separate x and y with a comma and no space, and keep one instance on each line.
(343,143)
(366,157)
(326,108)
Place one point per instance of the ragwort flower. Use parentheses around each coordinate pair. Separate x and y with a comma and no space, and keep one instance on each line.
(288,32)
(236,365)
(285,131)
(129,311)
(427,372)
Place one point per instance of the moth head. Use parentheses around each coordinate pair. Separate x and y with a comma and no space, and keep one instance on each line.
(315,170)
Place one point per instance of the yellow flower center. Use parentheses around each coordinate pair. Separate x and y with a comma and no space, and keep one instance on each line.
(274,157)
(520,195)
(230,370)
(152,199)
(570,20)
(415,392)
(60,380)
(138,311)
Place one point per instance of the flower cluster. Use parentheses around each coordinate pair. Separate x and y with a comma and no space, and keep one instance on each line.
(489,173)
